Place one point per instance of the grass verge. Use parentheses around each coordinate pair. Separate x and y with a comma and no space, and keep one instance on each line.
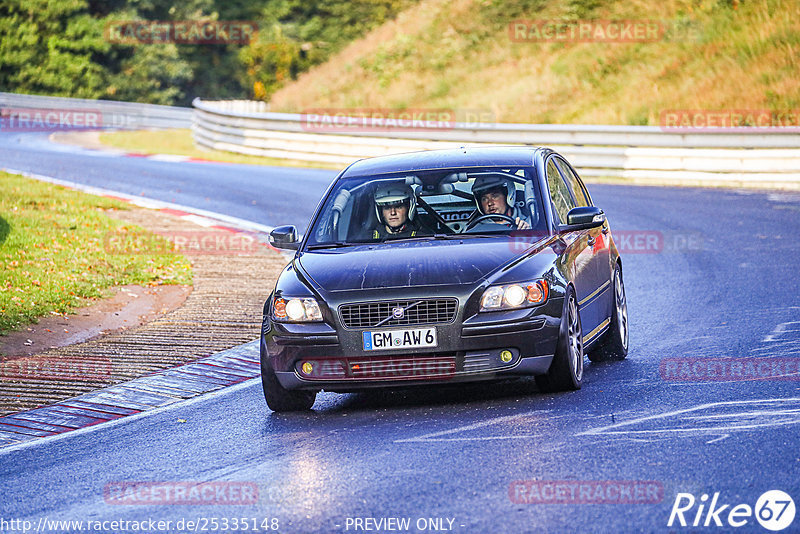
(54,254)
(179,142)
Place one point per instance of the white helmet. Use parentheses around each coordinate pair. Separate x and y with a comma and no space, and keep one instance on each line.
(488,182)
(387,194)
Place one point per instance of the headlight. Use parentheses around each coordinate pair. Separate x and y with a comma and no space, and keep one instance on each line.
(296,310)
(511,296)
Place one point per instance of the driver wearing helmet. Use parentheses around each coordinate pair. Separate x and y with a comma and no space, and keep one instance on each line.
(496,194)
(396,207)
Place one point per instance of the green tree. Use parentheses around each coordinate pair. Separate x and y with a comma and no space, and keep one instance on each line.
(58,47)
(296,35)
(51,47)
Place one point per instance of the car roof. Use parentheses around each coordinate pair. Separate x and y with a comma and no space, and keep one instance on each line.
(494,156)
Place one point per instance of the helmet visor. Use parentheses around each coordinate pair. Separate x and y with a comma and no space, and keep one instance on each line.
(387,204)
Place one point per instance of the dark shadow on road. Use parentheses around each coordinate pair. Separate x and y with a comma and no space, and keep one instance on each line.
(443,395)
(434,395)
(456,397)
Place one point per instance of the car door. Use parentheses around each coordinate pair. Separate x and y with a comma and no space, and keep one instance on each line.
(601,257)
(579,253)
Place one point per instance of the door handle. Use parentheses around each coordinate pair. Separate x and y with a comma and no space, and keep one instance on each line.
(591,241)
(605,229)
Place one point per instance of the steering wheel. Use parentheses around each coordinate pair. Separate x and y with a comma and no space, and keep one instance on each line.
(482,218)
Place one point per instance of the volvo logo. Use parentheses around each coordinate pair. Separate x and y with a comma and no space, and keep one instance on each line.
(398,312)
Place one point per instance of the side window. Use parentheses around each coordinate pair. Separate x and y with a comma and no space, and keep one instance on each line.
(559,193)
(573,182)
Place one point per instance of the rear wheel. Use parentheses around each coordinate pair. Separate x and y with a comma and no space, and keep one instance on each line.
(614,345)
(280,399)
(566,371)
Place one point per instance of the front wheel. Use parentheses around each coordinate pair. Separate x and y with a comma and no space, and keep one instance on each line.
(280,399)
(614,345)
(566,371)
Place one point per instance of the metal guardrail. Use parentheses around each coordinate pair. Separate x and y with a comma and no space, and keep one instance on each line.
(640,152)
(32,112)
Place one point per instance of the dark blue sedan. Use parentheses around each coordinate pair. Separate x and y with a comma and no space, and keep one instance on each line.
(444,267)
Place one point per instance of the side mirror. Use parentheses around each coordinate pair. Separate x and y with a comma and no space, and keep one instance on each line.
(284,237)
(585,217)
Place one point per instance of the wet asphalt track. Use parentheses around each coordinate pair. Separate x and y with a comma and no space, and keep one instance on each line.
(723,283)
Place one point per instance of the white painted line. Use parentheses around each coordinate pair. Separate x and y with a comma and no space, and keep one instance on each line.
(707,430)
(147,202)
(696,383)
(614,429)
(172,158)
(128,418)
(741,414)
(474,426)
(776,345)
(791,326)
(481,438)
(200,221)
(725,436)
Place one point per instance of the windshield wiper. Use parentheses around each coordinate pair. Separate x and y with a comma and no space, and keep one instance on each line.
(333,244)
(409,238)
(439,236)
(468,234)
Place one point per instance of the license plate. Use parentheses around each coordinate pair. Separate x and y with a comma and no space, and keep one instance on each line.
(400,339)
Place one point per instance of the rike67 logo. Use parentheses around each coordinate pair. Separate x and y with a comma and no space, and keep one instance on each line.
(774,510)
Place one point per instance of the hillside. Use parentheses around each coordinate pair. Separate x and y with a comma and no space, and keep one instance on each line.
(459,54)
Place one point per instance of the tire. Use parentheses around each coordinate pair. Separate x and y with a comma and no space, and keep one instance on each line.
(280,399)
(566,371)
(614,345)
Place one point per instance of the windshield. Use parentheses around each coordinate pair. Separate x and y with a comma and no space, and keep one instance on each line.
(453,202)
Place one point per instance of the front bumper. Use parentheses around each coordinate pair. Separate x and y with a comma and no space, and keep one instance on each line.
(468,351)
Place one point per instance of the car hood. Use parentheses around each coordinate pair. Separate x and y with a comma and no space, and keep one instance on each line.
(407,264)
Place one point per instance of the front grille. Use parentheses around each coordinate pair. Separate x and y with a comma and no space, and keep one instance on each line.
(415,312)
(477,362)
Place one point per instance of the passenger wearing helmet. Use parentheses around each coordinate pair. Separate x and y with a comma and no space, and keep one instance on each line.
(396,207)
(496,194)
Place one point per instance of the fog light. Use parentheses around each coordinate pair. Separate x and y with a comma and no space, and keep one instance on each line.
(307,368)
(506,356)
